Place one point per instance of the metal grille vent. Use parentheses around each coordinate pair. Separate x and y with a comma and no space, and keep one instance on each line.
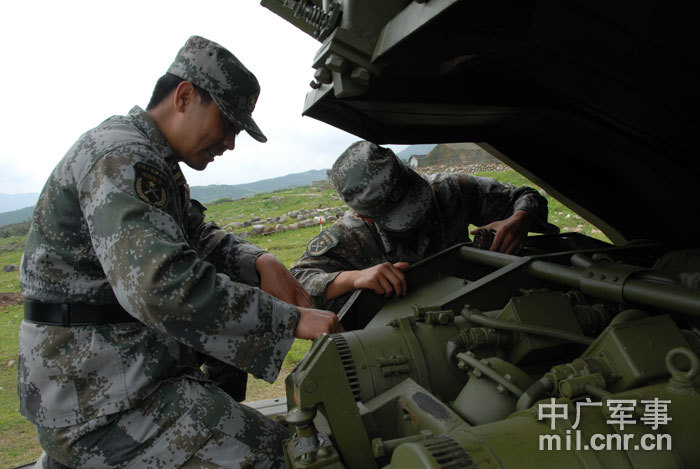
(348,364)
(449,454)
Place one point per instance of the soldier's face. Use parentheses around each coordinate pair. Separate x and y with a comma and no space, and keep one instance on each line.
(204,134)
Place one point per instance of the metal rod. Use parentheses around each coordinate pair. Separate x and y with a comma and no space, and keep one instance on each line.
(645,292)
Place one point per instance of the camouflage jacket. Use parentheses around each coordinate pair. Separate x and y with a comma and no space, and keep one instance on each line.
(458,201)
(115,223)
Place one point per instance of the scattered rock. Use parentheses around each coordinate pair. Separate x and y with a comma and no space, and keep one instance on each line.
(9,268)
(277,200)
(258,229)
(11,363)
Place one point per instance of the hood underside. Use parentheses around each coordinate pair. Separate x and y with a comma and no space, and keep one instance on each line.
(594,101)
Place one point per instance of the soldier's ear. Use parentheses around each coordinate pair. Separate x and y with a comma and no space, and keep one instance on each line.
(183,96)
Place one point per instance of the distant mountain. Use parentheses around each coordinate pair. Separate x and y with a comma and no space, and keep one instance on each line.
(202,193)
(16,216)
(238,191)
(10,202)
(411,150)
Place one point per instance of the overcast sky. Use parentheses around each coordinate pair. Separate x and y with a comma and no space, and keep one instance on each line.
(68,65)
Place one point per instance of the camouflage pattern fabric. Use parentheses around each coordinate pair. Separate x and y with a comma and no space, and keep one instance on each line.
(185,423)
(457,201)
(115,223)
(207,65)
(378,185)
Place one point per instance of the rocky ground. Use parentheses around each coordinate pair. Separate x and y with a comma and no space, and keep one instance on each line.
(469,169)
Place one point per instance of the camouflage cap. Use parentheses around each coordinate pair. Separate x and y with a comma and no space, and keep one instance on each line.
(216,70)
(378,185)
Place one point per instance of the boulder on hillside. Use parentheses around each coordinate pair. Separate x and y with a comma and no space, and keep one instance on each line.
(9,268)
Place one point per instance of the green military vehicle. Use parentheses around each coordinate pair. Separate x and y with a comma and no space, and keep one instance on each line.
(577,353)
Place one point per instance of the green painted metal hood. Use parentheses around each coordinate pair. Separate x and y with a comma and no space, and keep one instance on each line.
(595,101)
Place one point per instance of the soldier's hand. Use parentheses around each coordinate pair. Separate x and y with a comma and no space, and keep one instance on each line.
(314,322)
(510,233)
(276,280)
(384,279)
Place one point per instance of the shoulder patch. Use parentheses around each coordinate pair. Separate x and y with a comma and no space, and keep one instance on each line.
(149,184)
(321,244)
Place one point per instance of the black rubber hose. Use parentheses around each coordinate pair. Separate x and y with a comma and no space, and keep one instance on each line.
(534,393)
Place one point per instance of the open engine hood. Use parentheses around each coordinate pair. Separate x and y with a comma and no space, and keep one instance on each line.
(594,101)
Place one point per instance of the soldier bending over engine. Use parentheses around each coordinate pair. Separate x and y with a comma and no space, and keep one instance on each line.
(399,217)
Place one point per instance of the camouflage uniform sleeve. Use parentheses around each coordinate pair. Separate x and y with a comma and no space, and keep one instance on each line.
(492,200)
(230,254)
(316,269)
(163,282)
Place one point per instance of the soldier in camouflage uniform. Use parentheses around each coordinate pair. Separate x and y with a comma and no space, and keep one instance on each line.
(125,284)
(399,218)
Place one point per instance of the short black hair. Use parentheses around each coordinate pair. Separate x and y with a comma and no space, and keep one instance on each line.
(166,84)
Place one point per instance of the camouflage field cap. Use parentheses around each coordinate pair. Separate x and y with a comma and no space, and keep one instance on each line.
(378,185)
(216,70)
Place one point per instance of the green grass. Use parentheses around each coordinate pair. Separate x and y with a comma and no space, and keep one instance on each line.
(10,253)
(18,443)
(271,204)
(17,438)
(287,246)
(559,215)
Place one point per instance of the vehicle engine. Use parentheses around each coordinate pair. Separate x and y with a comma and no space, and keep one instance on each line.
(455,373)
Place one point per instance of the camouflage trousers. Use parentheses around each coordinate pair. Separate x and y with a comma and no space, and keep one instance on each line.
(185,423)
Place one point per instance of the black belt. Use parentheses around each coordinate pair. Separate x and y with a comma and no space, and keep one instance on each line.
(74,314)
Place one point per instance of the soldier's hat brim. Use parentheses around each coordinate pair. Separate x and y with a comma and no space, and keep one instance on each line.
(240,118)
(412,206)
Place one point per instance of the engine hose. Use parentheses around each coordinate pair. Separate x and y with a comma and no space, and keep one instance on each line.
(454,345)
(534,393)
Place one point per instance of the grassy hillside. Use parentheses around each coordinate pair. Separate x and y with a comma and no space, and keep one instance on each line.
(213,192)
(17,438)
(16,216)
